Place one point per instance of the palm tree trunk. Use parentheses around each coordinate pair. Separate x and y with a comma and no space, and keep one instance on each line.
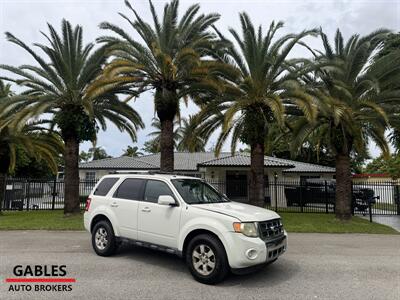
(256,192)
(343,187)
(3,178)
(167,145)
(71,189)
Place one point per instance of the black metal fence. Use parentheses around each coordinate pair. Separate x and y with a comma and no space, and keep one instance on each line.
(318,196)
(314,196)
(40,194)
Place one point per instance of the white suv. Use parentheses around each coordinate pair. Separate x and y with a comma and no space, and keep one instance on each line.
(185,216)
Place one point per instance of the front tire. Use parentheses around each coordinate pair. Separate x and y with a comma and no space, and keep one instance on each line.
(206,259)
(103,239)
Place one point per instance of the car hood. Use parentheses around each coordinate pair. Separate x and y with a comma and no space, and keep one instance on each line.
(241,211)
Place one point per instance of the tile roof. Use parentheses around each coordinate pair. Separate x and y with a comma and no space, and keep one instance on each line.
(123,162)
(302,167)
(243,160)
(186,161)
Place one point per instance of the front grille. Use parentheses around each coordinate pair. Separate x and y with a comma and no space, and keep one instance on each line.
(270,230)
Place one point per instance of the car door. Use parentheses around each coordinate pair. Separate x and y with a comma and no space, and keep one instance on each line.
(125,204)
(158,224)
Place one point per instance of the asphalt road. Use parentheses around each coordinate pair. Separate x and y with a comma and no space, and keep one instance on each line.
(317,266)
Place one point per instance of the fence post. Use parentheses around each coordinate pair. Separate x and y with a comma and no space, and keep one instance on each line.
(326,197)
(3,188)
(276,191)
(398,198)
(353,204)
(301,196)
(28,196)
(370,210)
(53,202)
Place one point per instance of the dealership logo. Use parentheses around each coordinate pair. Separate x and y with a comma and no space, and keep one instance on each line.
(40,278)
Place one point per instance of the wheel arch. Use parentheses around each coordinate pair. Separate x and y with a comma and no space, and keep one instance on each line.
(98,218)
(196,232)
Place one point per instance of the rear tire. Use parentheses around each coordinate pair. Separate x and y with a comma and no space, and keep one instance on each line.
(103,239)
(206,259)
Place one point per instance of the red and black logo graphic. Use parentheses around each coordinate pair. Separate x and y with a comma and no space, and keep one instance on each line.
(40,278)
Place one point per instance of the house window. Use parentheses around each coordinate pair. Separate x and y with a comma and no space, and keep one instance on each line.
(91,175)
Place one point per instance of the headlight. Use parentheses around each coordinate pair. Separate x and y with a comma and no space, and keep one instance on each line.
(248,229)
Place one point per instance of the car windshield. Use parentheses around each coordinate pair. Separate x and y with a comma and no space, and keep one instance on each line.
(195,191)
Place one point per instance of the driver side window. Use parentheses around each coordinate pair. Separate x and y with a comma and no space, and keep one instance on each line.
(154,189)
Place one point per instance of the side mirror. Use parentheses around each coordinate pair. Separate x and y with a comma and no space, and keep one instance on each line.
(166,200)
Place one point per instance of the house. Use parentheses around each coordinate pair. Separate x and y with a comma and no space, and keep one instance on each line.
(228,173)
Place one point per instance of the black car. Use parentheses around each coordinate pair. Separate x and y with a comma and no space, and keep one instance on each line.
(319,191)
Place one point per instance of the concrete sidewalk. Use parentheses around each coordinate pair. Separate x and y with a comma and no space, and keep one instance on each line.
(389,220)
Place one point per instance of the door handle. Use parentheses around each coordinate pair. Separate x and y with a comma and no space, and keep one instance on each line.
(146,209)
(114,204)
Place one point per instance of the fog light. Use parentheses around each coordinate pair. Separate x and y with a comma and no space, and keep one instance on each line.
(251,254)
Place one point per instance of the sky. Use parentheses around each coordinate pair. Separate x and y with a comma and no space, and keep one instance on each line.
(26,18)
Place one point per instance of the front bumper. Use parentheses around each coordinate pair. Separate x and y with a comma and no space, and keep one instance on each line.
(239,246)
(276,247)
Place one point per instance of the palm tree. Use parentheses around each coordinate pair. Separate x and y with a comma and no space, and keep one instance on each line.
(97,153)
(186,137)
(84,156)
(64,85)
(157,133)
(257,99)
(132,151)
(173,61)
(351,87)
(32,138)
(190,140)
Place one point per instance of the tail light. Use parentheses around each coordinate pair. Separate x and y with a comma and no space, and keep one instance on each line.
(88,200)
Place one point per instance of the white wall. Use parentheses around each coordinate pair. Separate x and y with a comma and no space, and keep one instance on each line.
(98,173)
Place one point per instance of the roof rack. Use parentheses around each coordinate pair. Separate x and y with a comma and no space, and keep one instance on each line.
(129,172)
(142,172)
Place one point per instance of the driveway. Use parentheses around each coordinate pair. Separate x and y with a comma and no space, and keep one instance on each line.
(389,220)
(317,266)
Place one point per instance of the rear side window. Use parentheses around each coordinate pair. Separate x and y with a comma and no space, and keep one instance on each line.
(105,186)
(131,189)
(154,189)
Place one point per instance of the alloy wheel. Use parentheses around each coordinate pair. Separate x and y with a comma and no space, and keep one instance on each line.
(203,259)
(101,238)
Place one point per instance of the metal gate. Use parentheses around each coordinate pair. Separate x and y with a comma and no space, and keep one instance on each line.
(40,194)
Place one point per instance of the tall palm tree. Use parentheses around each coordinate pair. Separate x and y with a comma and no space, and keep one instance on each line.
(173,61)
(63,85)
(186,137)
(157,133)
(132,151)
(190,140)
(257,99)
(32,138)
(351,87)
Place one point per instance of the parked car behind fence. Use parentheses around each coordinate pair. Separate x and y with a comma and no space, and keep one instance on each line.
(319,191)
